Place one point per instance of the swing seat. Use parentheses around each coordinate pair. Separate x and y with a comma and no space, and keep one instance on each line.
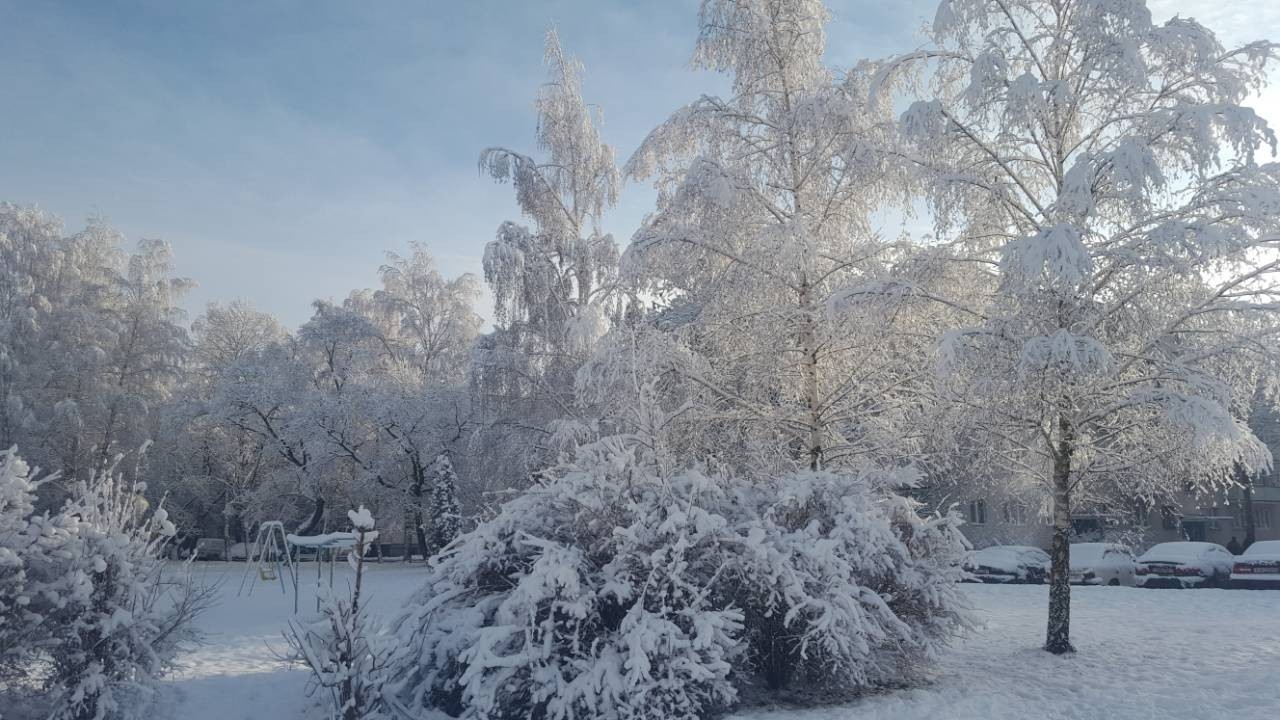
(267,573)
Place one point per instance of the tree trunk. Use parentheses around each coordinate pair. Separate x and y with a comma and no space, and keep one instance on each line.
(809,370)
(421,533)
(314,522)
(1250,524)
(416,490)
(1058,636)
(226,538)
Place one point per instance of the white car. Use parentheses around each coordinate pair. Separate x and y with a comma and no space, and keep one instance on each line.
(1185,565)
(1010,564)
(1258,567)
(209,548)
(239,551)
(1102,564)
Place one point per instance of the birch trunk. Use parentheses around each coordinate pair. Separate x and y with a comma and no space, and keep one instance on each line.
(1058,636)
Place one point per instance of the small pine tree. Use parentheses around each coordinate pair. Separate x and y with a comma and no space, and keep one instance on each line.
(446,518)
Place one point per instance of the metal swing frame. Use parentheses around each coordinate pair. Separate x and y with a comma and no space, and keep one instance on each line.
(272,555)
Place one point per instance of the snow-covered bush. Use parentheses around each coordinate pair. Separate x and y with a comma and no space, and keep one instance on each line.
(28,545)
(844,586)
(611,591)
(117,621)
(85,609)
(346,662)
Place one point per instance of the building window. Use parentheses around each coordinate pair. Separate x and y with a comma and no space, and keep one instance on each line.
(1262,517)
(978,512)
(1013,513)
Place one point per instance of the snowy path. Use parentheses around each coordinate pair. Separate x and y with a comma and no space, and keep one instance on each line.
(1143,654)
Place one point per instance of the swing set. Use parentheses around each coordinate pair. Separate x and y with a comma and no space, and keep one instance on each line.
(270,554)
(276,553)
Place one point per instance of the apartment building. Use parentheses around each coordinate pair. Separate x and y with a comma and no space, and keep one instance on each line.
(1214,518)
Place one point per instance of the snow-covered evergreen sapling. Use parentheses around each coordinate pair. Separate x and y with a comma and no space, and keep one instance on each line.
(446,519)
(346,663)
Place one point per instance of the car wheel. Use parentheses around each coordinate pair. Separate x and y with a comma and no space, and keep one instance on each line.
(1115,582)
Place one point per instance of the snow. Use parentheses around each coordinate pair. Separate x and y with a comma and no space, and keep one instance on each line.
(1208,557)
(1141,654)
(1014,559)
(1263,549)
(237,673)
(1211,560)
(1083,555)
(326,540)
(1100,563)
(361,519)
(1087,556)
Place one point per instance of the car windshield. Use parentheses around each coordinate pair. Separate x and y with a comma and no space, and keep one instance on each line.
(1266,547)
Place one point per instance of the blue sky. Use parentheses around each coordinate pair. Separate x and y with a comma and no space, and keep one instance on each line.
(282,146)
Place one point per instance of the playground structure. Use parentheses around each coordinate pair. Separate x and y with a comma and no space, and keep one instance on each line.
(331,542)
(270,553)
(275,553)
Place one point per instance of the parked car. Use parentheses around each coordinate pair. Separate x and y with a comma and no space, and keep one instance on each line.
(239,551)
(1010,564)
(1102,564)
(208,548)
(1185,565)
(1258,567)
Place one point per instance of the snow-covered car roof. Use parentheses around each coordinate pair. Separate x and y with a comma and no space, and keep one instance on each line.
(1179,551)
(1009,557)
(1263,548)
(1084,553)
(1094,549)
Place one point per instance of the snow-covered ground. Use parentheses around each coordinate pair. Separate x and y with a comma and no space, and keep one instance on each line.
(1163,654)
(237,674)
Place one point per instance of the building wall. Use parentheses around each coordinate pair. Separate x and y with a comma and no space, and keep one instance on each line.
(1215,519)
(1003,522)
(1192,519)
(1221,521)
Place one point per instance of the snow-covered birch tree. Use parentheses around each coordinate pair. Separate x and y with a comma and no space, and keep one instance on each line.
(763,254)
(554,282)
(1104,168)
